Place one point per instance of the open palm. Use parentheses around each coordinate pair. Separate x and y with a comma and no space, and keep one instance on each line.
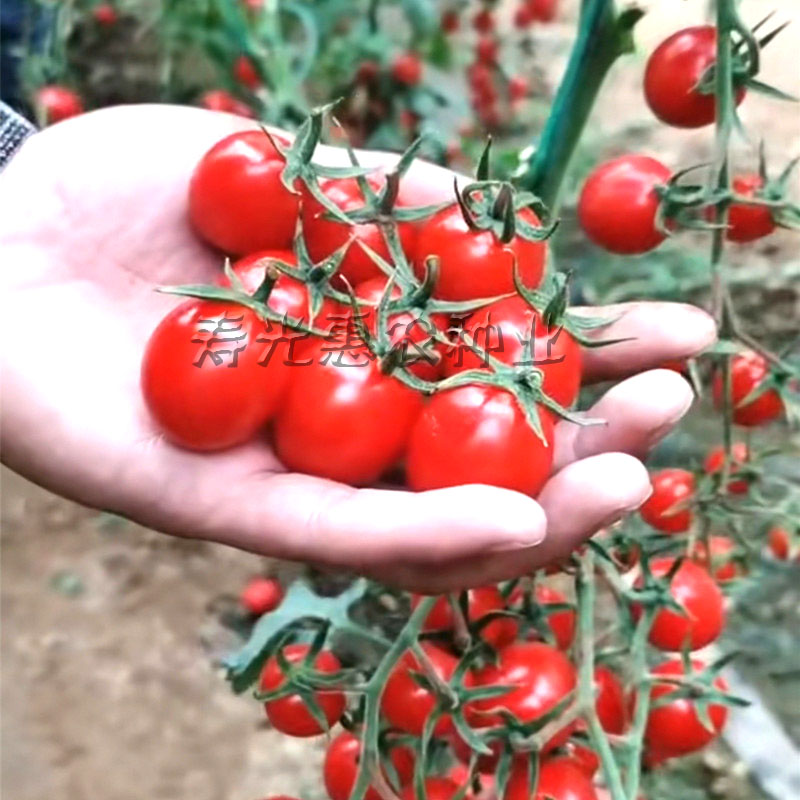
(93,218)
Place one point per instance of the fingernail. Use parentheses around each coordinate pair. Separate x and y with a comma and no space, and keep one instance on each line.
(620,513)
(662,431)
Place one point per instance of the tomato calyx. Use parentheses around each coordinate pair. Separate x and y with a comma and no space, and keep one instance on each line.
(494,205)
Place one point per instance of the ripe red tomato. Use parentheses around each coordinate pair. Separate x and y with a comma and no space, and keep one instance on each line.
(57,103)
(220,100)
(518,88)
(560,778)
(486,50)
(478,434)
(407,329)
(583,757)
(407,705)
(480,602)
(673,72)
(290,715)
(675,729)
(610,701)
(715,462)
(450,21)
(343,418)
(474,264)
(407,69)
(618,204)
(105,14)
(483,21)
(543,10)
(340,769)
(694,589)
(261,595)
(245,73)
(719,562)
(523,16)
(748,371)
(779,542)
(671,487)
(561,623)
(435,789)
(324,236)
(237,201)
(209,375)
(503,329)
(747,223)
(541,676)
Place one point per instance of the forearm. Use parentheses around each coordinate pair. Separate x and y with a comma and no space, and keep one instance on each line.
(14,129)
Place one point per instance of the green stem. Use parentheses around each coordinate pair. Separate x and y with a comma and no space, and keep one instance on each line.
(602,37)
(370,759)
(585,588)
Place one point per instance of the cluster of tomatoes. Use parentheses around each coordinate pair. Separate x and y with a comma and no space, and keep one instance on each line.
(335,324)
(622,204)
(488,82)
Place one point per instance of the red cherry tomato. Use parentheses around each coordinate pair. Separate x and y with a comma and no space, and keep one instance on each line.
(290,715)
(675,729)
(694,589)
(671,488)
(480,602)
(209,375)
(486,50)
(543,10)
(220,100)
(450,21)
(779,542)
(340,769)
(57,103)
(343,418)
(747,223)
(618,204)
(518,88)
(435,789)
(407,329)
(407,705)
(715,462)
(503,329)
(720,560)
(261,595)
(541,676)
(105,14)
(237,201)
(407,69)
(748,372)
(559,779)
(245,73)
(478,434)
(474,264)
(610,701)
(523,16)
(324,235)
(483,21)
(673,72)
(583,757)
(561,623)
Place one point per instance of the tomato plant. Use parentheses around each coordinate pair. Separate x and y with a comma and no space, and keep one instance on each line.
(715,462)
(753,404)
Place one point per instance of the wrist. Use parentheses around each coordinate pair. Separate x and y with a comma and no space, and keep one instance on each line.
(14,129)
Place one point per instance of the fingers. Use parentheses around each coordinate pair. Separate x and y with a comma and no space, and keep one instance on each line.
(637,414)
(424,541)
(657,332)
(586,496)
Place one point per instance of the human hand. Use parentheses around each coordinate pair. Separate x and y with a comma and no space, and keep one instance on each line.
(93,218)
